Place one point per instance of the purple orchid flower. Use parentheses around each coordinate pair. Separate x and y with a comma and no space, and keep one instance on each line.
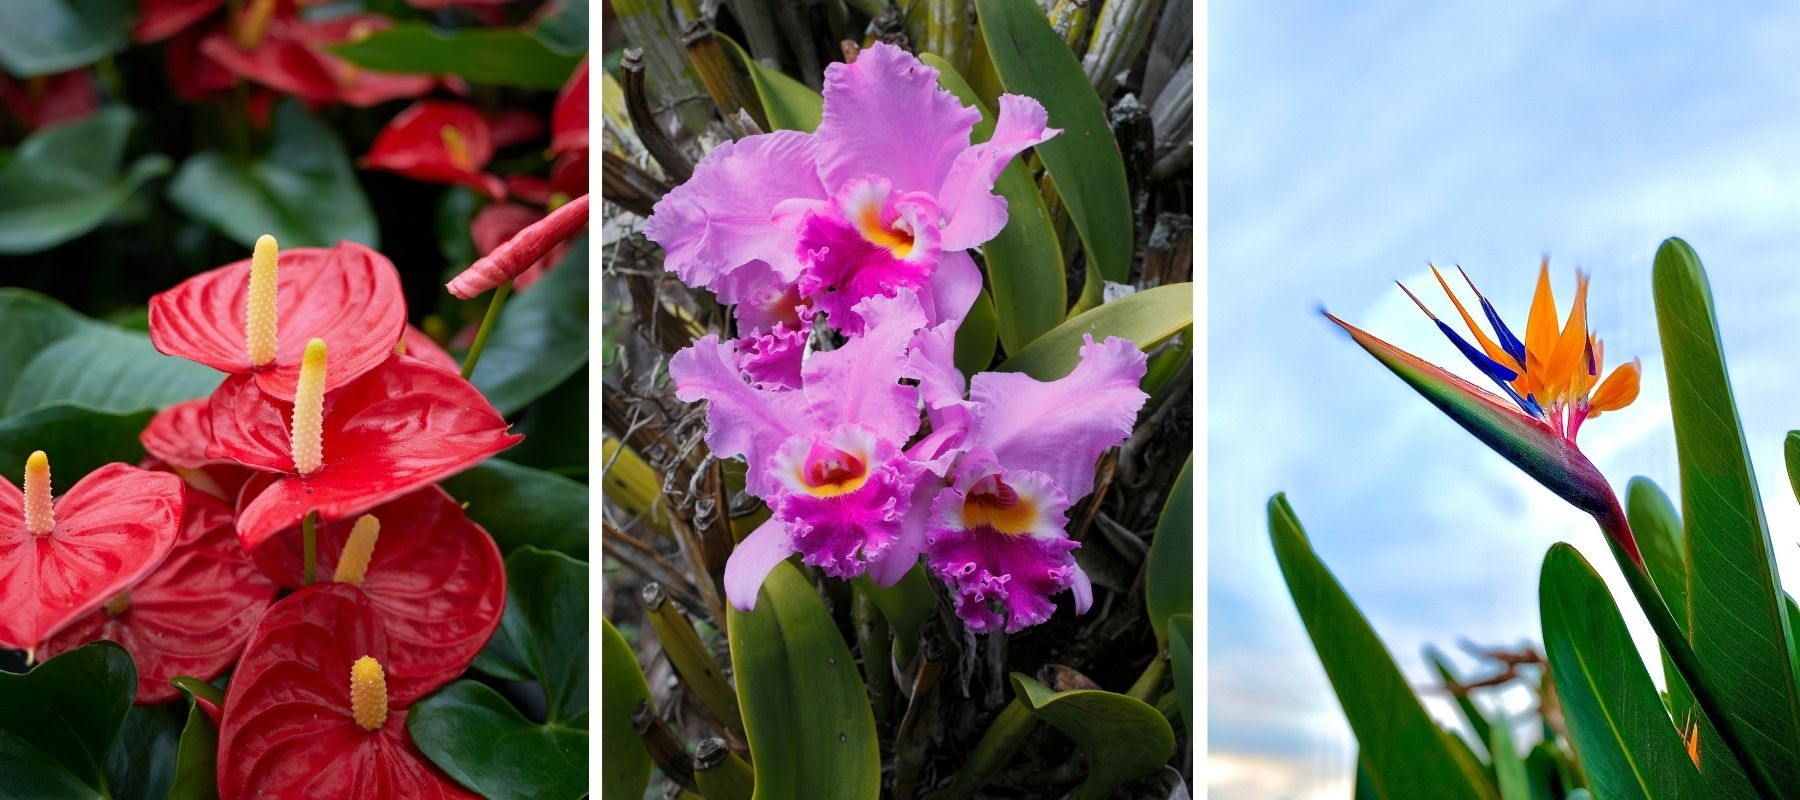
(887,195)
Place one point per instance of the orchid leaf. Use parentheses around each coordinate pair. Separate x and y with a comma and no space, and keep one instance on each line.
(1738,622)
(622,690)
(1403,751)
(58,721)
(1181,664)
(907,605)
(1169,569)
(1084,161)
(42,37)
(1124,737)
(507,57)
(1509,768)
(1148,318)
(67,179)
(1629,746)
(975,338)
(789,104)
(541,338)
(806,713)
(1024,261)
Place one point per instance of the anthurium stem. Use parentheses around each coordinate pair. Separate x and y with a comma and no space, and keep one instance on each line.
(1002,739)
(487,327)
(1675,643)
(309,546)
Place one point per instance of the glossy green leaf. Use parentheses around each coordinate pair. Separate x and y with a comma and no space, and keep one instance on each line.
(1629,746)
(975,337)
(58,721)
(1477,721)
(1169,569)
(805,710)
(1123,737)
(555,427)
(66,179)
(43,37)
(541,338)
(1405,753)
(788,103)
(1544,769)
(303,191)
(907,605)
(622,689)
(494,56)
(110,369)
(546,623)
(1084,161)
(33,322)
(1738,622)
(523,507)
(481,741)
(1181,664)
(1509,768)
(1657,527)
(564,26)
(141,764)
(78,439)
(196,759)
(1147,317)
(1024,261)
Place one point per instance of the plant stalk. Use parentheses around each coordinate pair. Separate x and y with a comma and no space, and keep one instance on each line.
(1002,739)
(693,663)
(487,327)
(1145,687)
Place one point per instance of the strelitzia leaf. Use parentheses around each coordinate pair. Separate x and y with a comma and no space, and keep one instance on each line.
(1124,737)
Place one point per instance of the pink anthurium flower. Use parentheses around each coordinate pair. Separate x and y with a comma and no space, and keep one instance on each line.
(190,616)
(888,194)
(61,558)
(434,578)
(403,426)
(254,317)
(438,141)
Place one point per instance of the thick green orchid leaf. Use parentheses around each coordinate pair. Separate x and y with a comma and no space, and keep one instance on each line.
(629,483)
(541,338)
(1628,744)
(805,710)
(1738,620)
(976,337)
(43,37)
(479,739)
(141,764)
(523,507)
(907,605)
(1405,754)
(1084,161)
(508,57)
(1526,442)
(622,689)
(58,721)
(1024,261)
(1148,318)
(1181,664)
(1477,721)
(788,104)
(1169,569)
(66,179)
(1124,737)
(304,191)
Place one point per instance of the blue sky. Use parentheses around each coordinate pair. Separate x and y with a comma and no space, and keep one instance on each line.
(1351,143)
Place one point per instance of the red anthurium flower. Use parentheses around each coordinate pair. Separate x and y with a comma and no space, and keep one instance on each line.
(403,426)
(437,141)
(499,222)
(522,250)
(435,578)
(529,189)
(416,343)
(514,126)
(255,317)
(63,97)
(273,51)
(312,712)
(356,86)
(569,174)
(191,616)
(160,19)
(61,559)
(569,117)
(177,438)
(194,75)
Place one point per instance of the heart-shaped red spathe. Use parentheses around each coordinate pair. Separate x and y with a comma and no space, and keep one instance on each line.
(177,438)
(355,86)
(112,528)
(403,426)
(416,343)
(288,729)
(438,141)
(436,581)
(279,60)
(347,295)
(569,117)
(190,616)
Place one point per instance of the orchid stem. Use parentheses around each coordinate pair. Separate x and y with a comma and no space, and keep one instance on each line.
(1145,687)
(487,327)
(1002,739)
(309,544)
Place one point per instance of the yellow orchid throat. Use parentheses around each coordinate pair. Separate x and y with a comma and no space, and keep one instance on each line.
(995,506)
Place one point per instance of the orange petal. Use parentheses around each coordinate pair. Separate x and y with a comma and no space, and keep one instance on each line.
(1618,390)
(1568,360)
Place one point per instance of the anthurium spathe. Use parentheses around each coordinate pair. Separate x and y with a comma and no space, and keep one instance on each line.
(255,317)
(177,438)
(191,616)
(63,557)
(530,245)
(401,427)
(438,141)
(887,194)
(434,578)
(312,712)
(1550,384)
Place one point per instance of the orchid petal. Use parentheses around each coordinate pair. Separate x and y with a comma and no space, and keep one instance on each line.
(724,216)
(953,287)
(967,198)
(741,420)
(860,382)
(885,115)
(752,560)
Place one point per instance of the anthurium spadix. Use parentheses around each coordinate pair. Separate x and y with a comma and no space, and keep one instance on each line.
(254,317)
(61,557)
(1549,381)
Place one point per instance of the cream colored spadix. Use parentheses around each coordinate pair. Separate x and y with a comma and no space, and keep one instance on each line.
(309,410)
(40,514)
(259,314)
(353,563)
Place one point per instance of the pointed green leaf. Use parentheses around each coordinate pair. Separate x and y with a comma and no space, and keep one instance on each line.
(1509,768)
(1405,753)
(1657,526)
(58,721)
(141,764)
(1147,317)
(522,506)
(805,710)
(1084,161)
(622,689)
(196,758)
(42,37)
(1628,745)
(789,104)
(78,438)
(546,623)
(541,337)
(1123,737)
(509,57)
(476,737)
(975,338)
(1181,664)
(109,369)
(1169,568)
(1738,621)
(1478,722)
(66,179)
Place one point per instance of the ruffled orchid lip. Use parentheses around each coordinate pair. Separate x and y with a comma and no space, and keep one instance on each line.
(1001,546)
(869,240)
